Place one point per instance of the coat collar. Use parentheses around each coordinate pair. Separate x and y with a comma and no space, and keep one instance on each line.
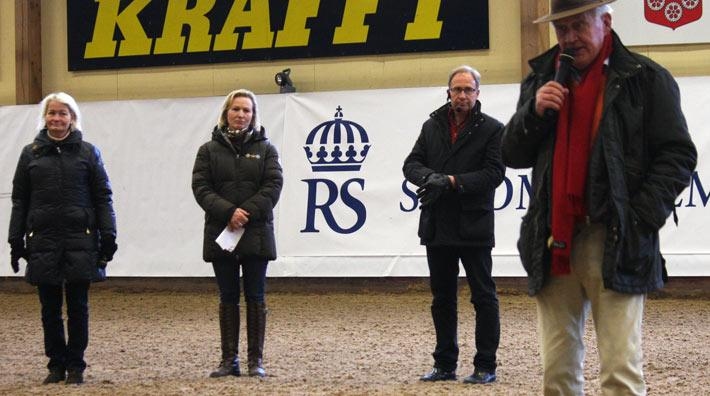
(43,139)
(442,113)
(43,144)
(218,134)
(622,60)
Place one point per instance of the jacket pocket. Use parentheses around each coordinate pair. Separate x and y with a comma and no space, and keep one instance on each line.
(634,176)
(250,243)
(532,242)
(40,218)
(90,218)
(640,248)
(526,241)
(476,222)
(426,228)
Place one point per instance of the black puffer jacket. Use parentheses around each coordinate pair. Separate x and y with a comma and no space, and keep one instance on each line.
(641,161)
(61,207)
(464,216)
(225,178)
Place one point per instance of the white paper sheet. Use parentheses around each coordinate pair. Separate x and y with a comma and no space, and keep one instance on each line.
(229,238)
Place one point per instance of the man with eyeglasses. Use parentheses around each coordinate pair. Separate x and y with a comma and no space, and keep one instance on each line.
(610,152)
(456,163)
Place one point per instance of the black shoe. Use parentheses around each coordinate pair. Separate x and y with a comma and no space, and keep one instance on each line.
(257,371)
(55,376)
(227,367)
(74,377)
(480,377)
(437,374)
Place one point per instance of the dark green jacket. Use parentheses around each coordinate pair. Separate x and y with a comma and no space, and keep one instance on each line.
(225,178)
(641,161)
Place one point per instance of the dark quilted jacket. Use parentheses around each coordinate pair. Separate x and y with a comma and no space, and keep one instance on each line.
(61,206)
(225,178)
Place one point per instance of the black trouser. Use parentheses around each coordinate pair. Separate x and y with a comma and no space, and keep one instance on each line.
(227,273)
(444,271)
(62,354)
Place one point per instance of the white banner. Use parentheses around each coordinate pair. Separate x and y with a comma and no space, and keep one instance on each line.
(345,209)
(653,22)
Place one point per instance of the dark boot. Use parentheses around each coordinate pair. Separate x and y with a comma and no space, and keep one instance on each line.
(55,375)
(229,334)
(256,327)
(74,377)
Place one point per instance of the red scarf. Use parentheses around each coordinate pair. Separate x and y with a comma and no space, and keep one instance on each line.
(576,129)
(454,128)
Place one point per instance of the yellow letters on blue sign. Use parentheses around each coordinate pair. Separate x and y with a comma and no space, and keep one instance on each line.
(353,28)
(425,25)
(102,44)
(177,16)
(295,33)
(144,33)
(257,19)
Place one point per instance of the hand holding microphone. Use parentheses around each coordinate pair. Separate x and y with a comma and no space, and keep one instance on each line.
(551,96)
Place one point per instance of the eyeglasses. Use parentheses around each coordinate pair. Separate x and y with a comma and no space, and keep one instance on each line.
(466,90)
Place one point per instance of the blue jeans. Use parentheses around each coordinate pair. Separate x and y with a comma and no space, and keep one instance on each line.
(443,276)
(62,354)
(227,273)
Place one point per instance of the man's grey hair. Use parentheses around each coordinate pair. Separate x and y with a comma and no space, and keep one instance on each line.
(603,9)
(466,69)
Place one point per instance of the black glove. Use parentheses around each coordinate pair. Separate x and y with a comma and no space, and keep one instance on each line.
(107,248)
(17,251)
(101,264)
(434,186)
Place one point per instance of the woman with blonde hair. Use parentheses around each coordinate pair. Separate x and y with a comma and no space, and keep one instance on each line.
(237,181)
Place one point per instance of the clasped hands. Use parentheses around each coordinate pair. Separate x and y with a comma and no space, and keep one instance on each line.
(434,186)
(239,219)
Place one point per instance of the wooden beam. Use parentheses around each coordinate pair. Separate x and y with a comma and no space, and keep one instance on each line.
(28,51)
(534,38)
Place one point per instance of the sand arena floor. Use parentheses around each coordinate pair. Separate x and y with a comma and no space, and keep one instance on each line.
(337,341)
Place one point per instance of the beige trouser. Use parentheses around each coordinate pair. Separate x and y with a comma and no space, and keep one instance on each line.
(562,306)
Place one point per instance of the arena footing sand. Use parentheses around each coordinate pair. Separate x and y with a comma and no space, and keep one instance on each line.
(325,343)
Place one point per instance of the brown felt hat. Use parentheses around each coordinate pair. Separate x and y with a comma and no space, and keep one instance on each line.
(563,8)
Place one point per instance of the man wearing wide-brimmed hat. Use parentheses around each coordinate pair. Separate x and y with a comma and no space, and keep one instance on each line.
(610,152)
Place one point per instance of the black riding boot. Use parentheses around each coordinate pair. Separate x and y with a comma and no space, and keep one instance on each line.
(55,375)
(256,327)
(229,333)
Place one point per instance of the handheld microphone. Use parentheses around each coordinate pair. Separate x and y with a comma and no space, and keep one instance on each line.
(563,74)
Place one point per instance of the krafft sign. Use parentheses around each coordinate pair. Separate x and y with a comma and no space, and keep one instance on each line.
(673,14)
(113,34)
